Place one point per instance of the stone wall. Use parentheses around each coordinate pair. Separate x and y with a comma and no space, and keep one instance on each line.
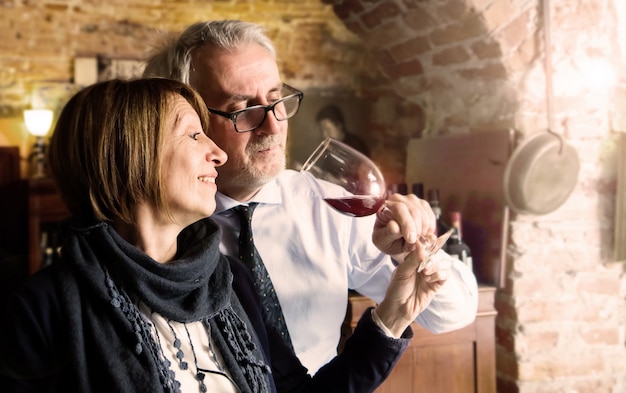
(423,68)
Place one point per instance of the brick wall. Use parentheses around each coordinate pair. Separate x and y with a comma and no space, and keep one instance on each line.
(316,52)
(423,67)
(472,65)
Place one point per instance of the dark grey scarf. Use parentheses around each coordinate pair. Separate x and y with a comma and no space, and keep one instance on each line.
(111,346)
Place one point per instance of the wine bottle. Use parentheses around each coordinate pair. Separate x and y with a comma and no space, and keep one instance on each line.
(433,200)
(398,188)
(418,190)
(455,246)
(48,257)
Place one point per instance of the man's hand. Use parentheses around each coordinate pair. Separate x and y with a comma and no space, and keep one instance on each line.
(400,224)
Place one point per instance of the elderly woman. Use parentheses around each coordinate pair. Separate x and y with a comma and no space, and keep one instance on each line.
(141,299)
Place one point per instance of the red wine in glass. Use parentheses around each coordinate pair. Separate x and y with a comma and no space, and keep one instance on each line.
(345,178)
(357,205)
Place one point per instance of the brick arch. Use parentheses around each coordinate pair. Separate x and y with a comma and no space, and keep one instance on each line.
(457,59)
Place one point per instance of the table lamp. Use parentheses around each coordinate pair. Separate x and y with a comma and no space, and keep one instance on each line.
(38,122)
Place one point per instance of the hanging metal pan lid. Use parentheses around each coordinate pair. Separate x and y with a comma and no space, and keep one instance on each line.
(541,174)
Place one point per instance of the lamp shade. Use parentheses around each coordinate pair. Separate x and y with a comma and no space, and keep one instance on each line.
(38,121)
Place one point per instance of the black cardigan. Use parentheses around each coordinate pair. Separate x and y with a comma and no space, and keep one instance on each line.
(34,321)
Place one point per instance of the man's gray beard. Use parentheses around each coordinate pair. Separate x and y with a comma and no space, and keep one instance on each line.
(250,177)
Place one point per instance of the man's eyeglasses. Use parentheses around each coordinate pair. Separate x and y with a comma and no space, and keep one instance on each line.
(252,117)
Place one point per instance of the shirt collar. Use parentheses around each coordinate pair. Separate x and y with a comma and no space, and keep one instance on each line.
(268,194)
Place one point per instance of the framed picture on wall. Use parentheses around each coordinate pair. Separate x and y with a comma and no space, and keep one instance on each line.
(89,70)
(304,128)
(111,68)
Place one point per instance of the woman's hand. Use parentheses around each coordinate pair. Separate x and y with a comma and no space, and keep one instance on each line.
(410,292)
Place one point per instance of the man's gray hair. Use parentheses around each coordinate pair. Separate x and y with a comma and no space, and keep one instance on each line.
(173,59)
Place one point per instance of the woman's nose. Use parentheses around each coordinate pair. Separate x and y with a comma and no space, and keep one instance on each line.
(217,155)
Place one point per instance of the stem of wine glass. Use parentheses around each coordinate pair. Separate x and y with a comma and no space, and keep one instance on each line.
(431,247)
(428,245)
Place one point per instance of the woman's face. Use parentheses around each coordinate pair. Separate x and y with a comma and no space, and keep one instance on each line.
(190,160)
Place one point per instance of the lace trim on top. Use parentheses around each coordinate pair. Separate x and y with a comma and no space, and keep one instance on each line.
(192,353)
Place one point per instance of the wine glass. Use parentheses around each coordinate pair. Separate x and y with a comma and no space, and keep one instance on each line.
(352,184)
(345,178)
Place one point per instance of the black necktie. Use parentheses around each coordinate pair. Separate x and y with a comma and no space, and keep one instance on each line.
(249,255)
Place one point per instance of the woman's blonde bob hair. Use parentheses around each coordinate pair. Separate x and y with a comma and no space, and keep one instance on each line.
(106,150)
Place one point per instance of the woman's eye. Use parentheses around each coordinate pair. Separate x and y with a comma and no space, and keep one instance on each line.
(195,135)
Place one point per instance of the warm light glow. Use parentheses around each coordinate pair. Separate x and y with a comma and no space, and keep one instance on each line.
(620,8)
(38,121)
(598,73)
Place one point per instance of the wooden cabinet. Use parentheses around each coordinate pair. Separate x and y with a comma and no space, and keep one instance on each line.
(31,210)
(45,211)
(462,361)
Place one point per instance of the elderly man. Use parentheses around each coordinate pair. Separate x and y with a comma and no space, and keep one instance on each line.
(312,253)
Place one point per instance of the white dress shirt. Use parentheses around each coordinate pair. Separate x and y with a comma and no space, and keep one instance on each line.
(314,254)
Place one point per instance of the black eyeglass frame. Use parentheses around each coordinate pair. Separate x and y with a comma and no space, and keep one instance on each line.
(233,115)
